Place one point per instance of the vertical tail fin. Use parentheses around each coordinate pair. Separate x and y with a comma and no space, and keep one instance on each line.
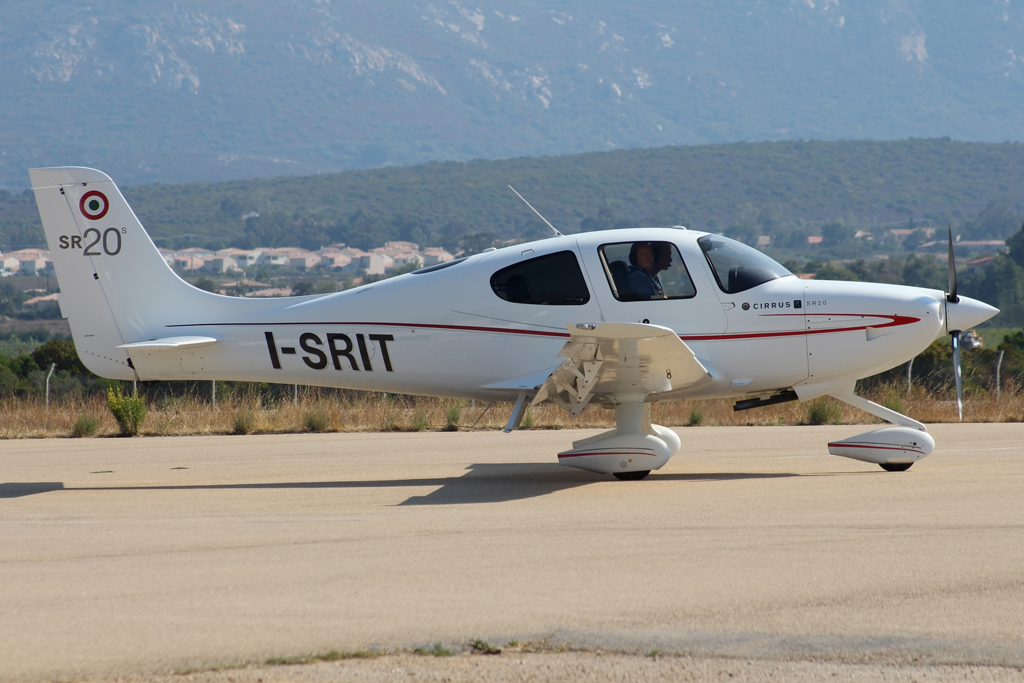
(115,287)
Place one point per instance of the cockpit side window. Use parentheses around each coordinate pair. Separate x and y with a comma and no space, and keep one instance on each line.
(736,266)
(645,271)
(551,280)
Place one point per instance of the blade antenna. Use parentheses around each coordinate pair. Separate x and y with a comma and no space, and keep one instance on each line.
(558,234)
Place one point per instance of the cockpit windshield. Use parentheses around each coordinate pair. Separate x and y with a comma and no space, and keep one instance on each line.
(738,267)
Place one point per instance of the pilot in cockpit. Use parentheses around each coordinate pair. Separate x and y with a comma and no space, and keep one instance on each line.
(646,261)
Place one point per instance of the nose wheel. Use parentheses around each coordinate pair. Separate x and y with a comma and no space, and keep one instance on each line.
(631,476)
(895,466)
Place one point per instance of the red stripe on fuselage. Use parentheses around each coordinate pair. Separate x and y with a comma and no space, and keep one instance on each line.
(577,455)
(894,321)
(461,328)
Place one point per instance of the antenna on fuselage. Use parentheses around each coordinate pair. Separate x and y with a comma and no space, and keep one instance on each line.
(558,234)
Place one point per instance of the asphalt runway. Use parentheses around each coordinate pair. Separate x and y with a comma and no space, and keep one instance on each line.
(140,556)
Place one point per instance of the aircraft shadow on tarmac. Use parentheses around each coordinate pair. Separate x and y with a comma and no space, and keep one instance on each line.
(482,483)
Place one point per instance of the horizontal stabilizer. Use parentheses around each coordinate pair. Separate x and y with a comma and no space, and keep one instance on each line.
(172,343)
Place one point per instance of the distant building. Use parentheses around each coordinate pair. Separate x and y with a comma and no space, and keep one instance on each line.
(36,300)
(434,255)
(244,258)
(302,258)
(980,264)
(274,257)
(29,262)
(168,256)
(372,262)
(332,257)
(219,264)
(189,263)
(901,234)
(281,291)
(8,265)
(398,247)
(814,239)
(403,258)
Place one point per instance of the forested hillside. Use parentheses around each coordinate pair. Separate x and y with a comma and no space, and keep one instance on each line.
(785,190)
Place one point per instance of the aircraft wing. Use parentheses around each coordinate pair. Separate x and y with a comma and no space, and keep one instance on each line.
(620,361)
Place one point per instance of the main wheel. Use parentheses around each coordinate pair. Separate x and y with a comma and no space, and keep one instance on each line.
(896,466)
(631,476)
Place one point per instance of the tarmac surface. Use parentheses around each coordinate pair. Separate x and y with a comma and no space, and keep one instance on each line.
(752,549)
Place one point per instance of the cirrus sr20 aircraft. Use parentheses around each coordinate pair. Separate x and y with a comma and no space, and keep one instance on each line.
(621,318)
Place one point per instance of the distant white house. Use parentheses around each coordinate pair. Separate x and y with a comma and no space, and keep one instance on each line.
(273,257)
(302,258)
(219,264)
(189,262)
(334,257)
(434,255)
(8,265)
(244,258)
(29,262)
(372,262)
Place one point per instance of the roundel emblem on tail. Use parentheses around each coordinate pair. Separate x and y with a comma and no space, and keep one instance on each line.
(94,205)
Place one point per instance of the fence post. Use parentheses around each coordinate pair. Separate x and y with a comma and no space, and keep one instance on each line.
(999,363)
(295,396)
(909,366)
(52,366)
(213,393)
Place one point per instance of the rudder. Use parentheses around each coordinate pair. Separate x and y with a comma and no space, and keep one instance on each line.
(115,287)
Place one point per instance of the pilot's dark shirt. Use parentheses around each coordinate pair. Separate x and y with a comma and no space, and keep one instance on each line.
(643,285)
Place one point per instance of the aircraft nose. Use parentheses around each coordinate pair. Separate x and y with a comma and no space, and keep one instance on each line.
(966,313)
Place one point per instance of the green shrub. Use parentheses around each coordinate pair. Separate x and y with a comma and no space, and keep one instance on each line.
(244,421)
(482,647)
(316,421)
(527,421)
(419,421)
(823,411)
(129,411)
(892,400)
(696,418)
(85,425)
(452,416)
(438,650)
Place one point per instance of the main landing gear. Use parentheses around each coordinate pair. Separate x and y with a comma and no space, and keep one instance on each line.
(630,451)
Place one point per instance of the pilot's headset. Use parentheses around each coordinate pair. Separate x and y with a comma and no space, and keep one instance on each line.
(632,252)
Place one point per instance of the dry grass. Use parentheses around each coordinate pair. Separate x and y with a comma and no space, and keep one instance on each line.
(325,411)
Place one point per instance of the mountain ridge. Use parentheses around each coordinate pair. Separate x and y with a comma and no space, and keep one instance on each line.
(189,92)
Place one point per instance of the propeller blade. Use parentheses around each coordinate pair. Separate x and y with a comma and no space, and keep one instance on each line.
(956,371)
(951,297)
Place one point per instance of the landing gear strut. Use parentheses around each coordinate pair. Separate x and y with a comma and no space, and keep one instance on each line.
(630,451)
(894,448)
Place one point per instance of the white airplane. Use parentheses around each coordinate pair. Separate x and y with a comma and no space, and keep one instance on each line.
(621,318)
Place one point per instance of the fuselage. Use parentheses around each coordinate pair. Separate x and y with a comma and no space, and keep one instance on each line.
(475,329)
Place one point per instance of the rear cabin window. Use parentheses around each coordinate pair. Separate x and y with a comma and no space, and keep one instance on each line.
(552,280)
(646,271)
